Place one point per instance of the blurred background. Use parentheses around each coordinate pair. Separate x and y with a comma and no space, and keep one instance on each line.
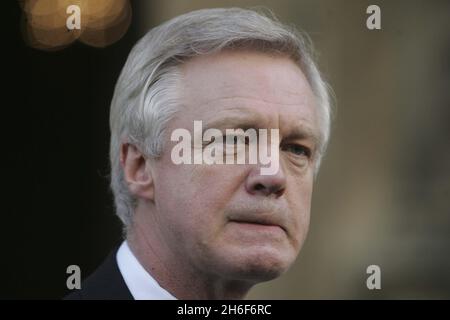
(381,197)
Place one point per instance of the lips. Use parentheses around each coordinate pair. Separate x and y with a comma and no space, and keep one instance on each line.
(258,220)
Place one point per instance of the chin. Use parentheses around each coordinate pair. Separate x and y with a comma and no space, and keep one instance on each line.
(261,265)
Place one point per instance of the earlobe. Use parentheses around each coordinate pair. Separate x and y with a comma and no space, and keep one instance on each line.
(137,173)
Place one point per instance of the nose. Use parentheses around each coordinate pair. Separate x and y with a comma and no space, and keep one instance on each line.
(266,185)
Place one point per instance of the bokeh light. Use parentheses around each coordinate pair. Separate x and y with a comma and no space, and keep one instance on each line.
(102,22)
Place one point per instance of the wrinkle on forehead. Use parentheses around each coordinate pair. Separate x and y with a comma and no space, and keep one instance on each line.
(277,79)
(273,88)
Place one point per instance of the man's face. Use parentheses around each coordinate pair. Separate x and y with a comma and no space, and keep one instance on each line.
(228,220)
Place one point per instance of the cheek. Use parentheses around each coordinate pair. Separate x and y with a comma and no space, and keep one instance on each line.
(194,197)
(299,199)
(211,189)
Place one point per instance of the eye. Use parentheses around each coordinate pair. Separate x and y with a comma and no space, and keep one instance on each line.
(297,149)
(205,143)
(234,140)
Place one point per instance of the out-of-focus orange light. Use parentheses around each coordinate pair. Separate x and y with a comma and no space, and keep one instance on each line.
(102,22)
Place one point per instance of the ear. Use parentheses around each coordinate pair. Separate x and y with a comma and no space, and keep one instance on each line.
(137,173)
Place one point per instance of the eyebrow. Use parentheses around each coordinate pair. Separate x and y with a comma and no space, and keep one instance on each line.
(235,121)
(304,132)
(250,120)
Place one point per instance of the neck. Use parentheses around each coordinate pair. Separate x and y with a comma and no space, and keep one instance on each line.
(173,270)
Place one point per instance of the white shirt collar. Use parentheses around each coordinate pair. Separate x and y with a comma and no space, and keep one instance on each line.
(140,283)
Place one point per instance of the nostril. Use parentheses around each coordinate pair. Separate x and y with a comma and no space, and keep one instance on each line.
(259,186)
(279,192)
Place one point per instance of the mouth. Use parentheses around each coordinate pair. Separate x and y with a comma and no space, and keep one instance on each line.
(258,224)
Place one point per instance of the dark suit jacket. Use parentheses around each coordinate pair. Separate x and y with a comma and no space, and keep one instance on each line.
(106,283)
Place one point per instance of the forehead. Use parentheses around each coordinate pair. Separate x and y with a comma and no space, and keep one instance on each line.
(271,88)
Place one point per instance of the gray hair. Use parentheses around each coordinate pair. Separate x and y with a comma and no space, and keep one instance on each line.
(145,96)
